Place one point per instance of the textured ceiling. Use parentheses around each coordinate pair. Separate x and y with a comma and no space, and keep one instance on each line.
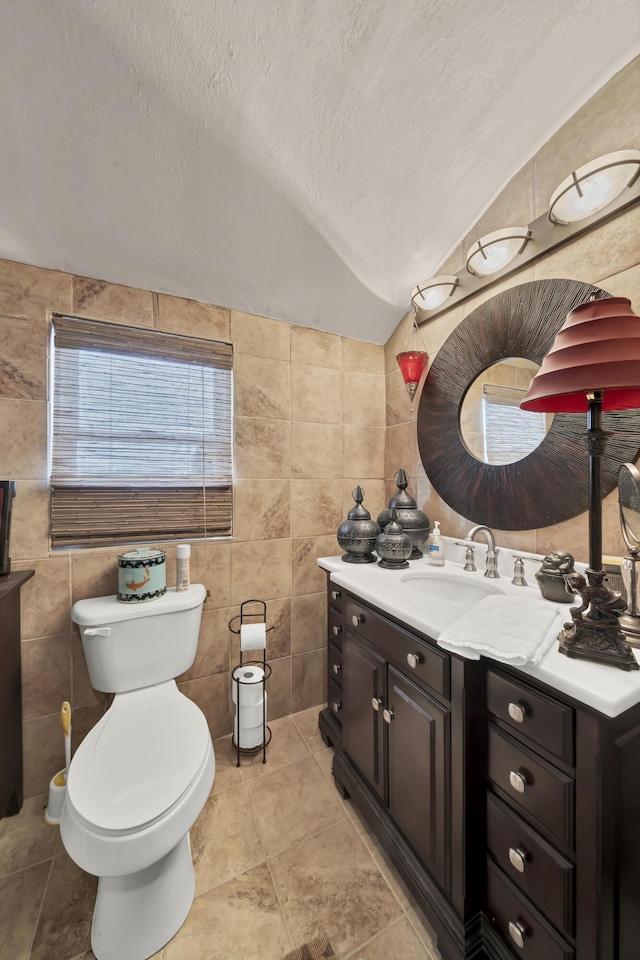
(309,160)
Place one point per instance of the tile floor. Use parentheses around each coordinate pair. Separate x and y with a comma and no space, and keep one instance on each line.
(278,857)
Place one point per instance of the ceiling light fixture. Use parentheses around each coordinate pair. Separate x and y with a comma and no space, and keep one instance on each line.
(494,251)
(594,185)
(432,293)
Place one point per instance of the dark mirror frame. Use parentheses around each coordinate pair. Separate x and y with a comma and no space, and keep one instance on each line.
(551,484)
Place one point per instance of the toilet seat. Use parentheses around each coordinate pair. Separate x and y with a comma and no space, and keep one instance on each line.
(139,760)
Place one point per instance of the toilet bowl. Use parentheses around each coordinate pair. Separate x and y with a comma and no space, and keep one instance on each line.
(140,778)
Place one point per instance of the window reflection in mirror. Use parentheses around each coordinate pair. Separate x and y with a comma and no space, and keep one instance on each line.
(493,427)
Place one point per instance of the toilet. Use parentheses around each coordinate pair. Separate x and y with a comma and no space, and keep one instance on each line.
(141,776)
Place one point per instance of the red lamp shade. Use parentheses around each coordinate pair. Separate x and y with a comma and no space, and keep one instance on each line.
(597,349)
(412,364)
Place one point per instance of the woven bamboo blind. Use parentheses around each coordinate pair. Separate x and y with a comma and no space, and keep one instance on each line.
(142,435)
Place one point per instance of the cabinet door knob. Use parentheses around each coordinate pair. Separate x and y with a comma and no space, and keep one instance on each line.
(336,706)
(376,703)
(517,932)
(517,781)
(336,668)
(387,715)
(516,712)
(336,631)
(336,594)
(413,659)
(517,859)
(356,619)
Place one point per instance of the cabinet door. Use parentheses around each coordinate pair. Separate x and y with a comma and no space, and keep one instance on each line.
(419,771)
(362,686)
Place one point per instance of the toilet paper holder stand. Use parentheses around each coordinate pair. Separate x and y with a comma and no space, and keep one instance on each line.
(246,617)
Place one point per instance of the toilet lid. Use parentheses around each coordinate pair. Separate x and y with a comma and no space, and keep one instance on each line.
(139,758)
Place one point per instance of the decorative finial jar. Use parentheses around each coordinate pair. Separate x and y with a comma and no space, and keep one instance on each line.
(357,534)
(413,521)
(393,546)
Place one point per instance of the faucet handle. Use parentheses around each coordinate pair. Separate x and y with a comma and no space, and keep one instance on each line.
(518,570)
(469,563)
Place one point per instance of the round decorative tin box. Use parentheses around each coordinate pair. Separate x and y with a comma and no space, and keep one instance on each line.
(142,575)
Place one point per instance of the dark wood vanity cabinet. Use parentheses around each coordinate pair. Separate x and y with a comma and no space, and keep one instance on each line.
(511,811)
(11,792)
(405,762)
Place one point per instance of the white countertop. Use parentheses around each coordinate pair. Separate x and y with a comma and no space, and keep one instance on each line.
(609,690)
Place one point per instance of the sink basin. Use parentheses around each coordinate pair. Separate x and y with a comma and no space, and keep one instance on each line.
(465,593)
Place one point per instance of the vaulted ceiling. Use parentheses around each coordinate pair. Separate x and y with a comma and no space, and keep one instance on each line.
(309,160)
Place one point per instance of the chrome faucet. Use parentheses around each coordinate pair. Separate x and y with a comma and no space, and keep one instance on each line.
(491,566)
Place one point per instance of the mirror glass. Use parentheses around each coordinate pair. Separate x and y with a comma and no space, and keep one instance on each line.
(629,498)
(493,427)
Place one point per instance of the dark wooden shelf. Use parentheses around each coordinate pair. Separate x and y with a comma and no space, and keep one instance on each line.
(11,791)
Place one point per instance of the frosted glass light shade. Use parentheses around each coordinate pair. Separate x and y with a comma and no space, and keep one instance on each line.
(591,187)
(495,250)
(432,293)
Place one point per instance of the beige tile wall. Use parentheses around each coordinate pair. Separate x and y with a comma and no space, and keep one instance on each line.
(310,425)
(608,256)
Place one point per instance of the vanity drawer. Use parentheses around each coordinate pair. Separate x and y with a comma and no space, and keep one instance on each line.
(417,658)
(334,697)
(533,786)
(543,874)
(335,627)
(532,714)
(519,924)
(336,596)
(335,664)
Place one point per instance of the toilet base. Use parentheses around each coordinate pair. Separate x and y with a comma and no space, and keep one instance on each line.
(136,915)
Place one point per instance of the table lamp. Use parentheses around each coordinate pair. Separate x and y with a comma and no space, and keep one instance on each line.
(593,365)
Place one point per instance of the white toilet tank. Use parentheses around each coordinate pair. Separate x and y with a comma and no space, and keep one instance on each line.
(130,646)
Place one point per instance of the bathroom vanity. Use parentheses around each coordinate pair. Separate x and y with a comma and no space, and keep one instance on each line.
(11,790)
(506,797)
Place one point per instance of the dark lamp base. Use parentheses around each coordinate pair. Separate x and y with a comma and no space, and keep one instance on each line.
(365,558)
(602,642)
(393,564)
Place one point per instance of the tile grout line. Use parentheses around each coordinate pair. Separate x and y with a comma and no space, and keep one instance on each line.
(37,923)
(365,943)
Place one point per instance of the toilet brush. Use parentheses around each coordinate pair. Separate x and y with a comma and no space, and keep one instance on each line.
(58,783)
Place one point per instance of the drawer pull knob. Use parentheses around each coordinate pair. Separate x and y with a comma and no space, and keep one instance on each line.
(516,712)
(356,619)
(336,594)
(517,932)
(517,859)
(414,659)
(376,703)
(387,715)
(517,781)
(336,706)
(336,668)
(336,631)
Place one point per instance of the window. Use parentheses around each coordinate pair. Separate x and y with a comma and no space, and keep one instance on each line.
(509,432)
(141,435)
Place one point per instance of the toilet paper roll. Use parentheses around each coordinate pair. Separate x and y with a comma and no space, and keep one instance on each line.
(253,636)
(251,716)
(248,737)
(249,689)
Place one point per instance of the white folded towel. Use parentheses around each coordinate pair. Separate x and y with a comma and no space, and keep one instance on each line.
(513,630)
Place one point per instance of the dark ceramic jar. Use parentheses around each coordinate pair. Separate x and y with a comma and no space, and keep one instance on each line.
(413,521)
(551,576)
(357,534)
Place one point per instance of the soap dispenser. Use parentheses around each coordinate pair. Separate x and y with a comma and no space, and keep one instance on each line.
(435,547)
